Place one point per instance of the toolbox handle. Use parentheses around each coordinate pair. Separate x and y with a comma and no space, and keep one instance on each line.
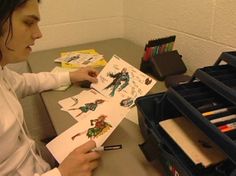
(229,57)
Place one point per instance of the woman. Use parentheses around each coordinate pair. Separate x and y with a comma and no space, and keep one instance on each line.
(18,32)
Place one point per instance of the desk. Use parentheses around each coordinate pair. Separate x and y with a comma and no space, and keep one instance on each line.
(129,160)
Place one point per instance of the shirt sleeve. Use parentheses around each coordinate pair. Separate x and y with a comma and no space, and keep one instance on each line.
(53,172)
(30,83)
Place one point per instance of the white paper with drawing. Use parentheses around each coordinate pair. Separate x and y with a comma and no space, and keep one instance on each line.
(81,105)
(99,114)
(121,81)
(80,59)
(97,126)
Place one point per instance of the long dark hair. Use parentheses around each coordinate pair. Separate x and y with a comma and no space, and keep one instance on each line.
(7,7)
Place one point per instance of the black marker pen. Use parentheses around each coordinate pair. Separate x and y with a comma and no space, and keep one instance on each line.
(106,148)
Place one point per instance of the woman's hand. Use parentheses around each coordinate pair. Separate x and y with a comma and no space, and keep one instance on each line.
(81,161)
(82,74)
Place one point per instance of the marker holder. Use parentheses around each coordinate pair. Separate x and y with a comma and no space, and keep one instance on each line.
(164,65)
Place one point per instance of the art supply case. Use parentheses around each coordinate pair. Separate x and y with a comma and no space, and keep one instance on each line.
(209,89)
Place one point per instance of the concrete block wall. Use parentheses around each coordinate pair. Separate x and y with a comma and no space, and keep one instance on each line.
(71,22)
(203,28)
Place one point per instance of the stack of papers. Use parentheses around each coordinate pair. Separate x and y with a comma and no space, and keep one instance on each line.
(82,58)
(100,109)
(72,60)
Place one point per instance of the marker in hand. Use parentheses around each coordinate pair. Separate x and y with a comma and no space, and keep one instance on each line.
(106,148)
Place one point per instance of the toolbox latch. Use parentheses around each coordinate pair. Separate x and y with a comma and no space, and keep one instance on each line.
(149,150)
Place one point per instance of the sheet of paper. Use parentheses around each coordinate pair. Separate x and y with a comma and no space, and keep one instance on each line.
(97,126)
(193,141)
(80,59)
(87,51)
(121,81)
(82,104)
(98,63)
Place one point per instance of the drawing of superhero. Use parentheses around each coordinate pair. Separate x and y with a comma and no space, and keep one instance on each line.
(100,127)
(126,102)
(118,78)
(88,107)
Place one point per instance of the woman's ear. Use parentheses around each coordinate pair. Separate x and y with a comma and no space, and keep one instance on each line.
(0,56)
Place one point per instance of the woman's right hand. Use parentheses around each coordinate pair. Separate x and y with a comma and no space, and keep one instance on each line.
(81,161)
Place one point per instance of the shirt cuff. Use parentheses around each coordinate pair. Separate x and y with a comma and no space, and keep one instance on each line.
(64,78)
(53,172)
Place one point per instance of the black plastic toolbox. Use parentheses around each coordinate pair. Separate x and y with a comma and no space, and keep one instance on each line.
(191,100)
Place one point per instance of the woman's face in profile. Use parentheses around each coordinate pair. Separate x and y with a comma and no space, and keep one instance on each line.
(25,31)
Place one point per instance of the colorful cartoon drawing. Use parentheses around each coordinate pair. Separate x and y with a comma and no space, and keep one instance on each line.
(100,127)
(126,102)
(118,78)
(88,106)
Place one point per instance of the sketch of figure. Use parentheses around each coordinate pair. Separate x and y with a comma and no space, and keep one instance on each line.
(126,102)
(88,107)
(148,81)
(118,78)
(71,58)
(88,61)
(100,127)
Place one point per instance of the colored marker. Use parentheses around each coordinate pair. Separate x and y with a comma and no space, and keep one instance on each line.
(170,46)
(147,54)
(225,118)
(227,127)
(106,148)
(215,111)
(156,50)
(210,105)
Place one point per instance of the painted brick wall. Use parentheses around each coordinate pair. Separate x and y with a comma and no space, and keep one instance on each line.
(203,28)
(71,22)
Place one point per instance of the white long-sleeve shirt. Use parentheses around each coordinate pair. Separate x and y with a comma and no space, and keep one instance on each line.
(17,156)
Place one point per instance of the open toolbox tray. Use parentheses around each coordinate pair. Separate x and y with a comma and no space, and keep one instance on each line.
(221,78)
(211,88)
(158,145)
(192,109)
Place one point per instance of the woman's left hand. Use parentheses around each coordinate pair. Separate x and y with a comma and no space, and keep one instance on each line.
(83,74)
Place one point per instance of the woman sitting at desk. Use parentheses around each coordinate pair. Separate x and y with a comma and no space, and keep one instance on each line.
(18,32)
